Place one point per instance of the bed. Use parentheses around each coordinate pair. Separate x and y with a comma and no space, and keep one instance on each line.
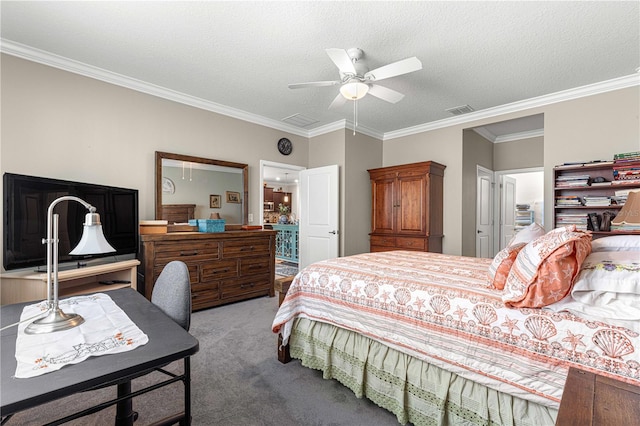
(435,340)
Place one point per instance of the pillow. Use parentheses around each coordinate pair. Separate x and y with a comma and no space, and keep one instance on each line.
(609,285)
(545,268)
(501,265)
(617,243)
(527,234)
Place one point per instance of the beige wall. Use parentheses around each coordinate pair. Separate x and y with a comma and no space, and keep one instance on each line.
(362,153)
(584,129)
(521,154)
(476,151)
(61,125)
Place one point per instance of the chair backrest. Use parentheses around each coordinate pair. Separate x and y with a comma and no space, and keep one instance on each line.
(172,293)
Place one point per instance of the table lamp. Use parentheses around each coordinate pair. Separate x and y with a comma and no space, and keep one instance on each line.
(91,242)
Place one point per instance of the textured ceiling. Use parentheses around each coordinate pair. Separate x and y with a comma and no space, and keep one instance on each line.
(242,55)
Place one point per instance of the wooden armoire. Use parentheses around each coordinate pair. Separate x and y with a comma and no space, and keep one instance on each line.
(406,208)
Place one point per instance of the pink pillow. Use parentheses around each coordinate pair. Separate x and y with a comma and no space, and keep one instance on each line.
(545,268)
(501,265)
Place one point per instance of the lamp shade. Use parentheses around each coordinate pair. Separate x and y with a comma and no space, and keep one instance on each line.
(353,91)
(630,212)
(93,240)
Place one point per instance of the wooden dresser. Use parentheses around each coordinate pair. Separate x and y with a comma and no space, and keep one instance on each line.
(406,204)
(224,266)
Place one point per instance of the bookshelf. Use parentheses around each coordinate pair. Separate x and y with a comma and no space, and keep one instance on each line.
(575,183)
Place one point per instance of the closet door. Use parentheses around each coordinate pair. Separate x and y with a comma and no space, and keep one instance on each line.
(384,204)
(411,203)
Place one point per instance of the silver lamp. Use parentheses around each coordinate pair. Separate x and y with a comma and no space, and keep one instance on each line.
(92,242)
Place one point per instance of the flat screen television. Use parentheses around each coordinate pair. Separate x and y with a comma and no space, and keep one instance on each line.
(26,200)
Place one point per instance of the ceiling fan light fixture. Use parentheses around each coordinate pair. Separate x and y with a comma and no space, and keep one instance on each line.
(354,90)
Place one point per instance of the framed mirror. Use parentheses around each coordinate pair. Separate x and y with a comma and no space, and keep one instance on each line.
(201,186)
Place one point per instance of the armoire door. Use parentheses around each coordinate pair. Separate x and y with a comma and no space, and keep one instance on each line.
(410,210)
(384,204)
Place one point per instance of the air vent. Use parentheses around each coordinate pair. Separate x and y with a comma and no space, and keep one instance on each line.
(459,110)
(299,120)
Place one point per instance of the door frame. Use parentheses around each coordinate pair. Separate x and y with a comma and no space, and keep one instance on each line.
(276,165)
(496,199)
(491,240)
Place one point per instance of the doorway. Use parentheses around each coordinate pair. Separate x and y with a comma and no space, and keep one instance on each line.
(280,183)
(518,201)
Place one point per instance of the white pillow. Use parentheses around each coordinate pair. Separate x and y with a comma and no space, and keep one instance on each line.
(616,243)
(528,234)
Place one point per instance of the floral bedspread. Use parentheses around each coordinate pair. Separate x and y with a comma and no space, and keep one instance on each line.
(439,308)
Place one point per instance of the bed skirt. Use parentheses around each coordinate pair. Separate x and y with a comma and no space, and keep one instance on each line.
(415,391)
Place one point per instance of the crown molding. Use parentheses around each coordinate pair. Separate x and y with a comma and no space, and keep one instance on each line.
(565,95)
(519,136)
(46,58)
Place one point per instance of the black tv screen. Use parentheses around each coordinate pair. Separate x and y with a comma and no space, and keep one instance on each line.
(26,200)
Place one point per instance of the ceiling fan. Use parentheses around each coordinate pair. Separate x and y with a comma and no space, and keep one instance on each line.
(356,80)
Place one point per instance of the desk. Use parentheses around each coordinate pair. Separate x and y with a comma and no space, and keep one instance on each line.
(168,342)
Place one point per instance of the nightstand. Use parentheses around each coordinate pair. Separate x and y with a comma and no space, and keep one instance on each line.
(592,400)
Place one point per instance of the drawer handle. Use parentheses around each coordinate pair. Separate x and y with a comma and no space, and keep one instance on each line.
(221,271)
(247,248)
(247,285)
(410,243)
(184,253)
(255,267)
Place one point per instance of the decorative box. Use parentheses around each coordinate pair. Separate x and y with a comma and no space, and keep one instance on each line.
(208,225)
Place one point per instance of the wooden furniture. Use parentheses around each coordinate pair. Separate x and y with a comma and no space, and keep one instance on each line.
(281,285)
(590,400)
(224,266)
(277,198)
(565,213)
(407,207)
(26,286)
(168,342)
(178,213)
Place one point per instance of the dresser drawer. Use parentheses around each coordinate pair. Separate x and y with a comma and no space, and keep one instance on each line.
(219,269)
(245,286)
(194,250)
(193,267)
(254,265)
(204,295)
(246,247)
(377,240)
(408,243)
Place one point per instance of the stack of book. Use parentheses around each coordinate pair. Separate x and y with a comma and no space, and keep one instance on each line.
(626,168)
(578,219)
(568,201)
(575,181)
(597,201)
(524,216)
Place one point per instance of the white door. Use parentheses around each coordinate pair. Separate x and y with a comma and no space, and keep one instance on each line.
(507,210)
(319,214)
(484,212)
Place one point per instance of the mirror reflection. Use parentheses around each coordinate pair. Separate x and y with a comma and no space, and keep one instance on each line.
(190,187)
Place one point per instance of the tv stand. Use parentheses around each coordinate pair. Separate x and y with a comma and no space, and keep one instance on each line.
(27,286)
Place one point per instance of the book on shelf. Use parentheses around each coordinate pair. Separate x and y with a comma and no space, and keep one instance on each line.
(620,156)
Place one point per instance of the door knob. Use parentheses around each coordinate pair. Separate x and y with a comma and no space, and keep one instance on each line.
(333,232)
(479,232)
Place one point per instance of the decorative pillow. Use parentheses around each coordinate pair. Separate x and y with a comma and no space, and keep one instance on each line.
(528,234)
(545,268)
(617,243)
(501,265)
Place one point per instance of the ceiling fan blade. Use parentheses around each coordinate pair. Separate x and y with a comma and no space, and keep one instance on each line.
(313,84)
(385,93)
(341,58)
(338,101)
(396,68)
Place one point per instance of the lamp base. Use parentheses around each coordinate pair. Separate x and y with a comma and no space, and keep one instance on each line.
(56,320)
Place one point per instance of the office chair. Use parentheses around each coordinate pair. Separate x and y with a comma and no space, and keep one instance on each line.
(172,293)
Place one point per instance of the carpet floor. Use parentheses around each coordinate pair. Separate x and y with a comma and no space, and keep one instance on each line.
(236,380)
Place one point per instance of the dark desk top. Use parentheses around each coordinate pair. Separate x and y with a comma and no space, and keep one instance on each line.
(167,342)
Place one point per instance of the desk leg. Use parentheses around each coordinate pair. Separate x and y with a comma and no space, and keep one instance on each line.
(125,415)
(187,392)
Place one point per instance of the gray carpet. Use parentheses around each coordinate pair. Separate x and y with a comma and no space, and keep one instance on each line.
(236,380)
